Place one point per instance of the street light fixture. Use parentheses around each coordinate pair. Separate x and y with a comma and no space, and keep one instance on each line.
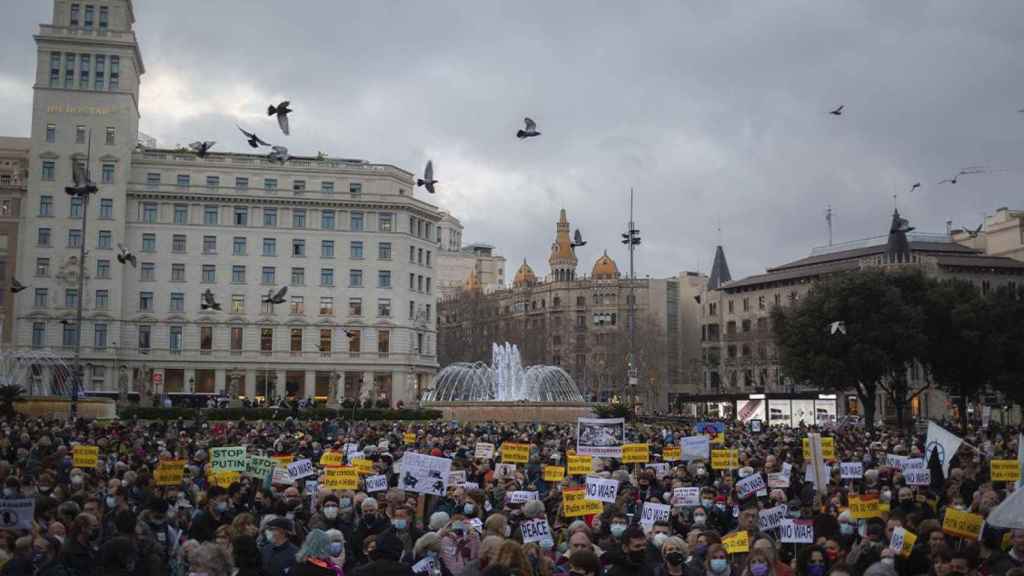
(631,238)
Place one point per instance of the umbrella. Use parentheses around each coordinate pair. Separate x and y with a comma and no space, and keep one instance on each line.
(1010,513)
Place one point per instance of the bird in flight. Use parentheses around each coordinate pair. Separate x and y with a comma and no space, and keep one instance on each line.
(209,303)
(838,111)
(254,140)
(281,110)
(577,239)
(201,147)
(531,130)
(837,327)
(83,184)
(915,186)
(278,154)
(973,233)
(16,286)
(275,297)
(127,255)
(428,177)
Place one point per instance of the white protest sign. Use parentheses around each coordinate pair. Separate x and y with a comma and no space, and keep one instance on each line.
(522,496)
(661,470)
(918,477)
(896,543)
(17,513)
(425,474)
(809,472)
(750,484)
(428,565)
(912,464)
(778,480)
(686,496)
(280,476)
(652,512)
(695,448)
(471,486)
(894,461)
(851,470)
(456,477)
(312,488)
(484,451)
(796,531)
(502,470)
(755,426)
(378,483)
(771,518)
(301,469)
(602,489)
(535,530)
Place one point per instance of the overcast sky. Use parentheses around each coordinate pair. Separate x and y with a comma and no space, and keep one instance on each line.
(713,111)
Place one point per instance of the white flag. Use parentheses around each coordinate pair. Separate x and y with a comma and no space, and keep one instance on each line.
(945,442)
(1020,459)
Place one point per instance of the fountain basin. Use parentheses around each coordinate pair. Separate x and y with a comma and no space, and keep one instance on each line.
(541,412)
(59,407)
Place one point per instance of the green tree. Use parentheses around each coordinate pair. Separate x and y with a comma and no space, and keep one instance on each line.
(883,335)
(1007,320)
(9,394)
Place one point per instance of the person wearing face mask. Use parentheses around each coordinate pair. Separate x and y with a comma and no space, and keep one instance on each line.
(767,545)
(371,522)
(279,552)
(337,547)
(426,557)
(759,563)
(460,544)
(716,561)
(673,554)
(812,562)
(617,524)
(404,529)
(165,535)
(660,531)
(212,516)
(629,558)
(79,550)
(330,517)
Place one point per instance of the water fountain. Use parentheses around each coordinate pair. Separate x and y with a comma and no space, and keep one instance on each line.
(505,390)
(46,379)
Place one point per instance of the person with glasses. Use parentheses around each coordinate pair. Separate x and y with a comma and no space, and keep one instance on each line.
(584,563)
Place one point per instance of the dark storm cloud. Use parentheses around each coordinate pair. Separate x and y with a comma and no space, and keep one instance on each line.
(712,111)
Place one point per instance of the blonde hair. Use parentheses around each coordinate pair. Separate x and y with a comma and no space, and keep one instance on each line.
(512,556)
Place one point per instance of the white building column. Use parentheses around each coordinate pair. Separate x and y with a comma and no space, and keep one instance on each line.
(309,384)
(220,381)
(280,390)
(249,385)
(189,385)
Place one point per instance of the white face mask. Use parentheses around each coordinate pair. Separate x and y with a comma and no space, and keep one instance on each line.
(269,535)
(330,512)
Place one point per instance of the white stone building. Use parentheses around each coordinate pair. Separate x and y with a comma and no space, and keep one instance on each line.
(355,248)
(459,266)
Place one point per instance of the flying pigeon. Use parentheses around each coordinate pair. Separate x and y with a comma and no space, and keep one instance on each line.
(697,298)
(838,327)
(282,110)
(428,177)
(82,180)
(275,298)
(201,147)
(279,154)
(127,255)
(349,334)
(838,111)
(577,239)
(208,302)
(915,186)
(531,130)
(254,140)
(973,233)
(16,286)
(902,225)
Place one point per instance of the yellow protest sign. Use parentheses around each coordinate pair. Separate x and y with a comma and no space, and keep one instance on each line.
(828,448)
(737,543)
(580,465)
(719,438)
(179,464)
(363,466)
(169,472)
(575,503)
(884,508)
(344,478)
(283,459)
(516,453)
(635,454)
(908,543)
(864,507)
(409,437)
(962,524)
(554,473)
(725,459)
(225,478)
(671,454)
(331,459)
(86,456)
(1005,470)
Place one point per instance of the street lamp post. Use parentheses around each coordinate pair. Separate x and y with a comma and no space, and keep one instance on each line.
(631,238)
(83,188)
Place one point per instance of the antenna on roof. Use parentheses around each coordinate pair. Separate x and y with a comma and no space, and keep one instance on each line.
(828,218)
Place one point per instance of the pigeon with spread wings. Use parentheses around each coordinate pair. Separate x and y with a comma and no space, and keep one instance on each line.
(281,110)
(577,240)
(201,147)
(838,111)
(254,140)
(530,131)
(275,297)
(428,180)
(278,154)
(127,256)
(209,302)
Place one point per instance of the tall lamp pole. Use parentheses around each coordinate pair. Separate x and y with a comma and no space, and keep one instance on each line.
(83,188)
(631,238)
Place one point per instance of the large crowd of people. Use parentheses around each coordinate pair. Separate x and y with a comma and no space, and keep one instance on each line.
(121,516)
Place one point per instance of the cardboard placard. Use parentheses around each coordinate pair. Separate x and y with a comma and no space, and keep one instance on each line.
(259,466)
(409,437)
(225,478)
(851,470)
(280,477)
(902,541)
(962,524)
(661,469)
(750,484)
(1005,470)
(864,507)
(737,543)
(378,483)
(671,453)
(602,489)
(580,465)
(686,496)
(515,453)
(363,466)
(503,470)
(522,496)
(535,530)
(227,458)
(17,513)
(725,459)
(918,477)
(695,448)
(283,459)
(771,518)
(169,475)
(456,477)
(84,456)
(575,504)
(553,473)
(301,469)
(828,448)
(484,451)
(332,459)
(636,454)
(793,531)
(343,478)
(652,512)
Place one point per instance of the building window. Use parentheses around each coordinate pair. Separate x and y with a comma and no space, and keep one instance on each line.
(412,254)
(383,343)
(144,338)
(299,185)
(115,73)
(42,295)
(180,214)
(149,210)
(153,180)
(296,340)
(147,272)
(299,218)
(299,248)
(241,183)
(148,242)
(238,274)
(384,307)
(209,244)
(267,276)
(38,334)
(355,306)
(51,133)
(356,249)
(209,274)
(327,219)
(298,276)
(327,248)
(106,209)
(49,169)
(327,276)
(42,267)
(355,342)
(384,251)
(241,216)
(69,70)
(384,220)
(74,238)
(103,268)
(70,336)
(428,258)
(71,298)
(270,184)
(270,217)
(355,278)
(357,222)
(325,341)
(384,279)
(266,340)
(177,272)
(355,188)
(327,306)
(178,243)
(210,215)
(238,246)
(297,306)
(206,339)
(45,206)
(184,180)
(43,237)
(177,302)
(237,304)
(102,299)
(104,15)
(213,181)
(54,69)
(236,339)
(270,247)
(83,67)
(99,336)
(75,13)
(90,12)
(412,282)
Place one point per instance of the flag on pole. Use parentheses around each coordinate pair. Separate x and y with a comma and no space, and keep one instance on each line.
(1020,459)
(944,442)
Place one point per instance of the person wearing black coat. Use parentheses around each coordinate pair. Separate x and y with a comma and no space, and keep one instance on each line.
(385,558)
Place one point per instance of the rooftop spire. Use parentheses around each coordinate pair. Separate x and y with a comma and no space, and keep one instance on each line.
(719,270)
